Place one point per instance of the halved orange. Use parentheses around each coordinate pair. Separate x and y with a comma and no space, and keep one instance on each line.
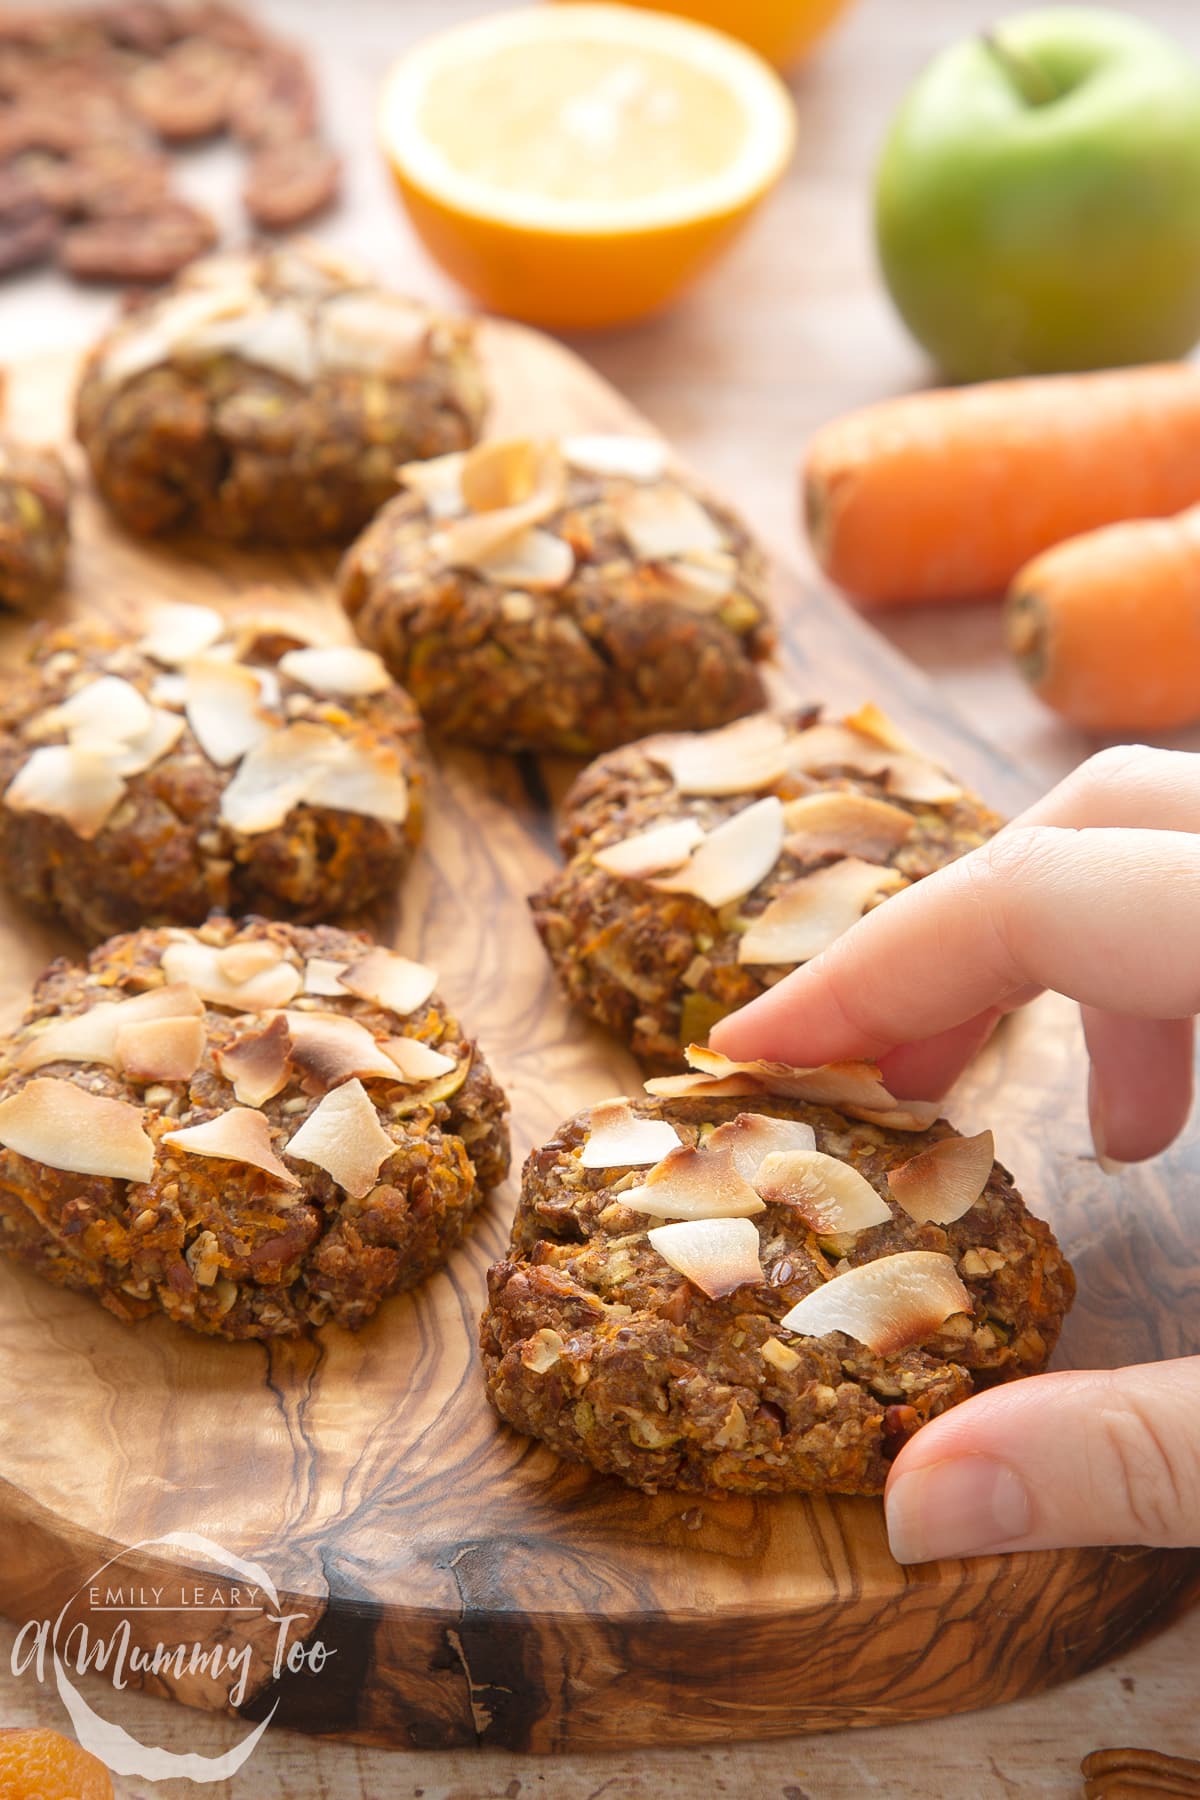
(578,166)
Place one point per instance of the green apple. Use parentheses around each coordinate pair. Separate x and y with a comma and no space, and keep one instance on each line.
(1037,204)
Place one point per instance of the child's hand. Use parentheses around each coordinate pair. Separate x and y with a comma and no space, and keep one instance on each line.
(1094,892)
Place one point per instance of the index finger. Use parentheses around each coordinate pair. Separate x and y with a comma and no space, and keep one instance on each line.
(1106,917)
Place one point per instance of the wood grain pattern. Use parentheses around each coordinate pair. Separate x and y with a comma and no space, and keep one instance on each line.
(478,1591)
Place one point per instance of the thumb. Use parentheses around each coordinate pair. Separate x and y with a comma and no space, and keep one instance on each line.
(1095,1457)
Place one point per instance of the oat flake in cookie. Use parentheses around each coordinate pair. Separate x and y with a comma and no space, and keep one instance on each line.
(253,1129)
(759,1280)
(701,868)
(565,594)
(269,398)
(208,764)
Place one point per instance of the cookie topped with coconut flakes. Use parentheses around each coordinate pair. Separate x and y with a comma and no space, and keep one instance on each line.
(269,396)
(251,1128)
(562,594)
(206,763)
(702,867)
(758,1279)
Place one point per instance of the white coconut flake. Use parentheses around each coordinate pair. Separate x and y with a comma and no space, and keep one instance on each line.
(618,1139)
(437,482)
(534,560)
(312,765)
(187,959)
(716,1255)
(63,1126)
(343,1136)
(151,336)
(393,982)
(889,1304)
(738,759)
(322,976)
(225,710)
(664,521)
(733,858)
(176,633)
(810,913)
(68,782)
(160,1049)
(612,454)
(336,669)
(417,1060)
(239,1135)
(372,333)
(92,1036)
(277,336)
(649,852)
(830,1195)
(108,710)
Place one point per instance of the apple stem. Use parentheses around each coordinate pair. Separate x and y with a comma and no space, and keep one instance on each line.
(1032,83)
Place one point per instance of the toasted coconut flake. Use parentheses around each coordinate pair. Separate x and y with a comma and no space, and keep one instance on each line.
(917,779)
(940,1184)
(66,781)
(225,709)
(321,976)
(852,1087)
(618,1139)
(372,334)
(808,914)
(888,1305)
(391,981)
(416,1060)
(870,721)
(536,561)
(56,1123)
(703,579)
(829,1195)
(727,1087)
(331,1047)
(691,1183)
(664,521)
(91,1036)
(738,759)
(258,1063)
(752,1137)
(716,1255)
(240,1136)
(501,472)
(733,858)
(277,337)
(343,1136)
(647,852)
(611,454)
(178,632)
(437,482)
(244,960)
(336,669)
(311,764)
(845,823)
(186,959)
(161,1049)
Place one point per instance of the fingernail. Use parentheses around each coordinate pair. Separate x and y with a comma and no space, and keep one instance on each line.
(961,1508)
(1107,1165)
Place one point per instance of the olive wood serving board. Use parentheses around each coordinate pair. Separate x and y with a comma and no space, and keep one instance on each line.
(474,1588)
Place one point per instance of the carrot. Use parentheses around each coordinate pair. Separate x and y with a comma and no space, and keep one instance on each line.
(1106,627)
(944,495)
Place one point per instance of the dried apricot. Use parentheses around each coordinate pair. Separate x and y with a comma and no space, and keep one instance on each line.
(39,1764)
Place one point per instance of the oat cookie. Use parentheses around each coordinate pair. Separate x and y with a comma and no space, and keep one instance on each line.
(254,1129)
(35,495)
(564,594)
(209,763)
(269,398)
(701,868)
(761,1280)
